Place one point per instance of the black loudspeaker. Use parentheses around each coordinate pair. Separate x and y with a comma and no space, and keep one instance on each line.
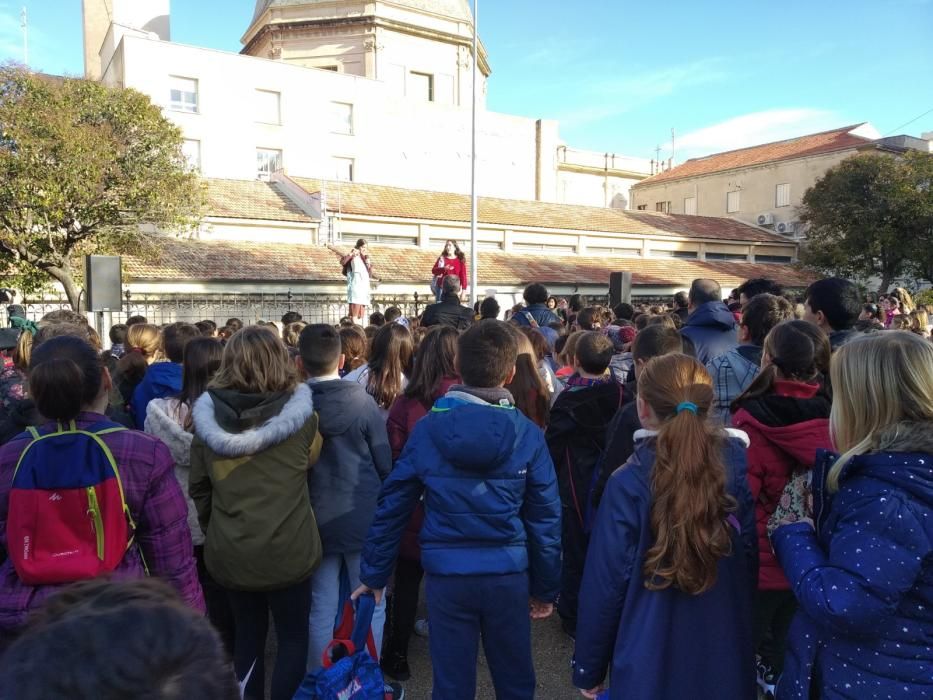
(103,280)
(620,287)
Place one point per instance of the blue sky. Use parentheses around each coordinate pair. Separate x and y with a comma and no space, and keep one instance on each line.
(619,75)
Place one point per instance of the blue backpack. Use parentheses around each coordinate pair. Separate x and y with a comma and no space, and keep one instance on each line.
(351,671)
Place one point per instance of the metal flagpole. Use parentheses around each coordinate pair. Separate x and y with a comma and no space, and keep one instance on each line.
(474,209)
(24,17)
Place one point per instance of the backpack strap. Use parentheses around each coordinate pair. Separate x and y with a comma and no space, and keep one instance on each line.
(530,319)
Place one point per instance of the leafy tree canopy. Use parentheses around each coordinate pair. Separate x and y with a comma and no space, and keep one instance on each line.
(85,169)
(872,216)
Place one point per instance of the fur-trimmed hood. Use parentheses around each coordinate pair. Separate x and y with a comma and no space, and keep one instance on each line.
(293,415)
(731,433)
(163,418)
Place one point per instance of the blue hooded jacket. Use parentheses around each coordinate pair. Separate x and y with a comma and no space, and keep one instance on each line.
(490,498)
(711,327)
(665,644)
(863,580)
(162,380)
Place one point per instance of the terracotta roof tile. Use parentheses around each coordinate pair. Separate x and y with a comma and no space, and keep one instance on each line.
(250,199)
(811,144)
(395,202)
(227,261)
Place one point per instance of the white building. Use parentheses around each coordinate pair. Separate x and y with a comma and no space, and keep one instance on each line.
(359,90)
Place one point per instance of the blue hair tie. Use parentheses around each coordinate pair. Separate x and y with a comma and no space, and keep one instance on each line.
(687,406)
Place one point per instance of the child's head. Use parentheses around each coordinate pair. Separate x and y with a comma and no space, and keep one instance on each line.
(489,308)
(901,323)
(234,323)
(593,353)
(65,377)
(793,350)
(291,332)
(134,320)
(655,341)
(486,354)
(392,314)
(202,358)
(174,338)
(255,361)
(539,344)
(355,347)
(435,360)
(172,652)
(290,317)
(882,383)
(568,356)
(389,361)
(117,334)
(589,319)
(688,482)
(760,315)
(320,349)
(377,318)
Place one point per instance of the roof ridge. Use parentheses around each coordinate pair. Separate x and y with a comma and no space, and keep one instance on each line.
(842,129)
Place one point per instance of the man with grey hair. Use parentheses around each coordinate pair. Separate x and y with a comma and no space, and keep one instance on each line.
(448,311)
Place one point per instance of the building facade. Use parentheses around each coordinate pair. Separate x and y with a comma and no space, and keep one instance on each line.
(762,185)
(360,91)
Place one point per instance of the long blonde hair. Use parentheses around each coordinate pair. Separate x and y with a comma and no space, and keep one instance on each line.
(255,361)
(880,381)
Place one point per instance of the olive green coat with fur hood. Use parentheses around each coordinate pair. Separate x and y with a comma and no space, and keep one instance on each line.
(249,463)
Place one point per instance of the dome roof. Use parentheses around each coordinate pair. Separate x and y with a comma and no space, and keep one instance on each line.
(456,9)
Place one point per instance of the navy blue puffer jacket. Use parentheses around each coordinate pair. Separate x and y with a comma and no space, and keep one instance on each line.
(490,498)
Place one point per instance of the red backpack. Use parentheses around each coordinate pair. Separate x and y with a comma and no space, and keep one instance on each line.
(68,519)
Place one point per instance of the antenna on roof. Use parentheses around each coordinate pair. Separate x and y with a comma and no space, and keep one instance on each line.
(672,146)
(24,24)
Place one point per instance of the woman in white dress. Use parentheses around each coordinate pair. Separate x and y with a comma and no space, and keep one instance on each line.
(358,269)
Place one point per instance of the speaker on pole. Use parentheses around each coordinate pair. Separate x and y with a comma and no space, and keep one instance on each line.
(103,279)
(620,287)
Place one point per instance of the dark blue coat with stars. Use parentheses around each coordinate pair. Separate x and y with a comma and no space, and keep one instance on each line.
(864,581)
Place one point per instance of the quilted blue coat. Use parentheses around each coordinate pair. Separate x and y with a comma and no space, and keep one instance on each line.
(490,498)
(864,581)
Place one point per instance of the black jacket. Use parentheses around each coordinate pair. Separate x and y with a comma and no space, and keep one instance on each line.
(620,442)
(576,435)
(448,312)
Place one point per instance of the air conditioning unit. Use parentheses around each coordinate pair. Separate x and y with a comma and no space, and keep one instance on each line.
(787,227)
(765,219)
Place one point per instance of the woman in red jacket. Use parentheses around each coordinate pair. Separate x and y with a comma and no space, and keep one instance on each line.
(433,374)
(452,261)
(785,413)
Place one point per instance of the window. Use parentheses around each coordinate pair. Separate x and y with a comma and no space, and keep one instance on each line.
(421,86)
(268,160)
(690,205)
(733,201)
(341,118)
(663,207)
(268,107)
(333,69)
(609,250)
(772,258)
(642,207)
(782,195)
(731,257)
(184,94)
(343,169)
(679,254)
(191,150)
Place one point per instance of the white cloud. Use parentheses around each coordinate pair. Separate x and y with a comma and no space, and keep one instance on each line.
(754,129)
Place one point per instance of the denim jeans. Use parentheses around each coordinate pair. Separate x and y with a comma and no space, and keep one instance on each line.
(326,604)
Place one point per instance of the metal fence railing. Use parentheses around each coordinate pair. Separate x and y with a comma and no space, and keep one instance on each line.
(248,307)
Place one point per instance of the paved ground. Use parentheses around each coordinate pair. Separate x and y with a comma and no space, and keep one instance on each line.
(552,652)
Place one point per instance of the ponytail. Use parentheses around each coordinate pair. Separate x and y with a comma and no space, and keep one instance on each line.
(65,375)
(689,504)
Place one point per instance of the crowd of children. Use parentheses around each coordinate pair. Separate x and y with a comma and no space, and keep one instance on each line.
(723,499)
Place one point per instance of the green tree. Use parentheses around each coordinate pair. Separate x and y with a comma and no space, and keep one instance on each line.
(919,167)
(85,169)
(863,217)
